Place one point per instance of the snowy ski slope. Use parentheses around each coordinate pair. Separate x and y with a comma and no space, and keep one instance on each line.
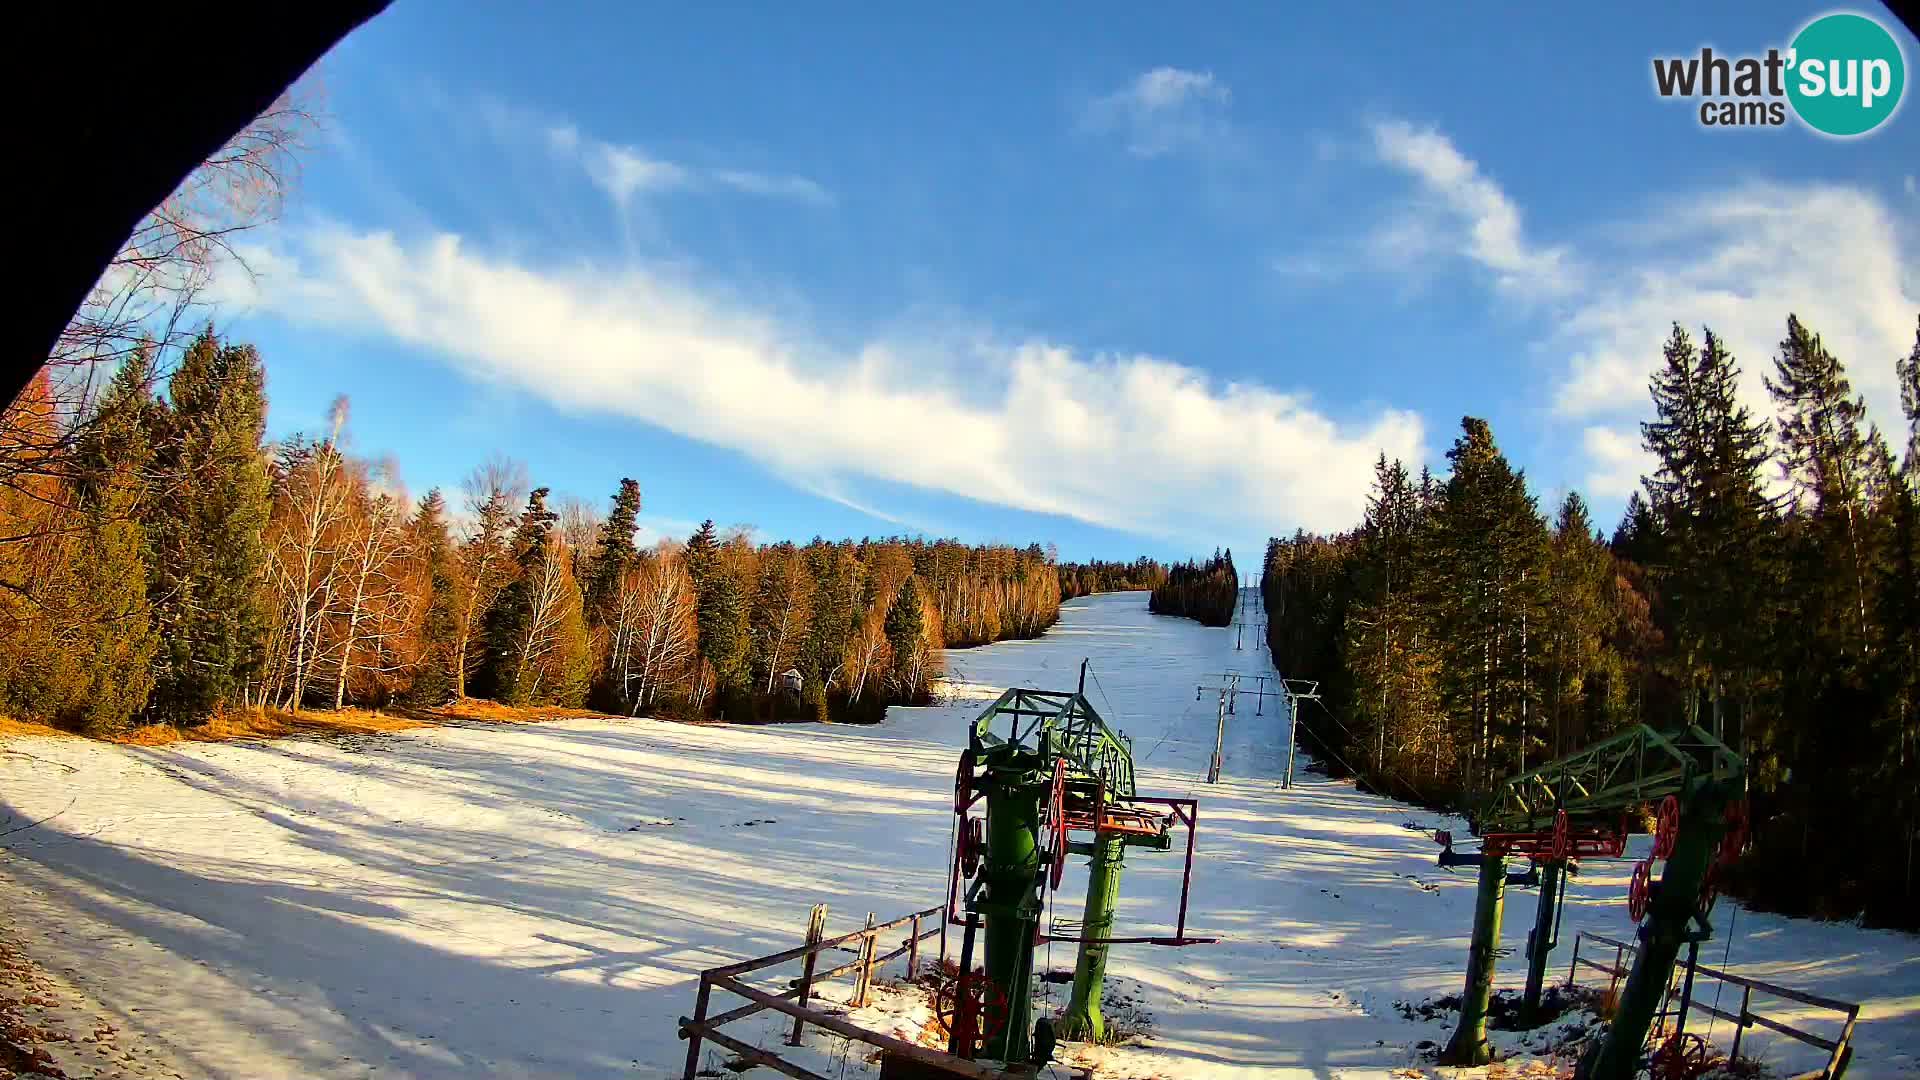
(535,900)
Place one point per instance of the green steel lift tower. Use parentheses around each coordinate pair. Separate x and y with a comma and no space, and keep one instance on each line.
(1046,766)
(1577,806)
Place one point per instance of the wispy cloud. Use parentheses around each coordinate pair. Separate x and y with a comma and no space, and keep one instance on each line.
(1470,213)
(1131,442)
(624,172)
(1163,110)
(1738,259)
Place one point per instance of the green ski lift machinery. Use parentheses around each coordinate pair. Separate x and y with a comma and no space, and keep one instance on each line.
(1578,806)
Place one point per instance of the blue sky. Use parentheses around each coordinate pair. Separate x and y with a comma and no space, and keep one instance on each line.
(1123,279)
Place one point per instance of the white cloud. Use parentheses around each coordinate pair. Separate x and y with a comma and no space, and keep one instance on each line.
(1740,261)
(1163,110)
(1616,460)
(1912,186)
(1471,212)
(1131,442)
(625,171)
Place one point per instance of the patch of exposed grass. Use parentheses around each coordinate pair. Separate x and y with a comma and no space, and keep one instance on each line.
(11,727)
(271,724)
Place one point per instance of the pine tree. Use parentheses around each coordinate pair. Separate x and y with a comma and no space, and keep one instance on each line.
(1825,457)
(433,680)
(1485,556)
(1713,514)
(721,612)
(510,619)
(613,553)
(906,627)
(204,524)
(1907,369)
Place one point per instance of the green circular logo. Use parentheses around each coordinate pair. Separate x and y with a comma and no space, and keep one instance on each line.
(1845,74)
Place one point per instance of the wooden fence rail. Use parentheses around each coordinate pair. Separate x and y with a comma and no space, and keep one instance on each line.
(701,1027)
(1839,1050)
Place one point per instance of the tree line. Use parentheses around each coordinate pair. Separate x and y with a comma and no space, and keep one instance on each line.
(161,561)
(1764,584)
(1088,578)
(1206,592)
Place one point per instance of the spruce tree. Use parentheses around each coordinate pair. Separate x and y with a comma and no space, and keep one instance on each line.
(906,635)
(720,613)
(1907,368)
(1825,456)
(1714,516)
(613,553)
(204,525)
(509,619)
(433,680)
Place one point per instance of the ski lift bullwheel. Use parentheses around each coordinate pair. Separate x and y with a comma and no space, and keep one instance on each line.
(973,1010)
(973,843)
(1640,889)
(1734,840)
(963,782)
(1681,1057)
(1709,891)
(1666,829)
(1055,825)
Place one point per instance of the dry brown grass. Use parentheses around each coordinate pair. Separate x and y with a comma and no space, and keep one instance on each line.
(495,713)
(246,724)
(10,727)
(271,724)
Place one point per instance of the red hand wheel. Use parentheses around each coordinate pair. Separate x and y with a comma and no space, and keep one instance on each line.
(1640,889)
(1562,837)
(1682,1057)
(972,1009)
(1666,829)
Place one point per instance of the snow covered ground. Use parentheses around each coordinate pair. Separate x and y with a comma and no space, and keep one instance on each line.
(536,900)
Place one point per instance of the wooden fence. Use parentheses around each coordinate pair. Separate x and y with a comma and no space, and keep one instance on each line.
(794,999)
(1839,1048)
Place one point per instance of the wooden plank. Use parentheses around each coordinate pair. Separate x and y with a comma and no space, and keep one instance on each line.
(1801,996)
(744,1011)
(1616,972)
(816,926)
(959,1066)
(1793,1032)
(1605,940)
(744,966)
(752,1053)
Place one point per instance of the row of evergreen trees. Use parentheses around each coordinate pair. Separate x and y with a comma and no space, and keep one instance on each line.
(1087,578)
(1765,585)
(166,562)
(1207,592)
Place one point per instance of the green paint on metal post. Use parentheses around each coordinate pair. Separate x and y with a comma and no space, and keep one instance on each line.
(1469,1043)
(1675,900)
(1540,943)
(1010,904)
(1083,1020)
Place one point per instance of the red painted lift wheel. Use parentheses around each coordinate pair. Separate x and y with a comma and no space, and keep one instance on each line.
(1666,830)
(972,844)
(1709,891)
(973,1008)
(1640,889)
(1057,824)
(963,782)
(1562,836)
(1735,839)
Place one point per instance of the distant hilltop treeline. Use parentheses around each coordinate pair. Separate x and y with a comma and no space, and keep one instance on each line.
(1087,578)
(1206,592)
